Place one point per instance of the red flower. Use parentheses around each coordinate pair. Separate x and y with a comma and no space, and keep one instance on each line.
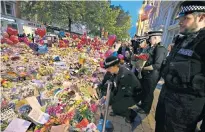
(143,57)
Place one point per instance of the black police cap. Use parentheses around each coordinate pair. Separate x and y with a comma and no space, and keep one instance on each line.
(141,39)
(155,33)
(111,61)
(188,7)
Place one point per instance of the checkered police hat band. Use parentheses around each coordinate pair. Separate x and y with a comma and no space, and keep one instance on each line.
(185,9)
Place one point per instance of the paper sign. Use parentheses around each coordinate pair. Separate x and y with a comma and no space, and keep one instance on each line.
(7,114)
(33,102)
(38,116)
(18,125)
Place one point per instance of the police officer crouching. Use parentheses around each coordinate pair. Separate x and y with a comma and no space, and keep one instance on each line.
(182,97)
(126,89)
(151,71)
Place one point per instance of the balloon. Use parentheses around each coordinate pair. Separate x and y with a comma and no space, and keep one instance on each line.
(41,32)
(61,33)
(108,53)
(5,35)
(14,39)
(15,32)
(12,31)
(8,41)
(121,57)
(111,40)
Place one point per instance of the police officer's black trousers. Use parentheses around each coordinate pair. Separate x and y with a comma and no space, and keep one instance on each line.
(177,112)
(149,82)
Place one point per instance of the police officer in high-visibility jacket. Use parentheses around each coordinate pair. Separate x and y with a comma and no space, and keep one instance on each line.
(182,97)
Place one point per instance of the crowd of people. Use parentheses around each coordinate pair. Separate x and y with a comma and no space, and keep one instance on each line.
(181,104)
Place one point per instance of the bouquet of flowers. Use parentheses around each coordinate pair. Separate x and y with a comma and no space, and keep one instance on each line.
(142,59)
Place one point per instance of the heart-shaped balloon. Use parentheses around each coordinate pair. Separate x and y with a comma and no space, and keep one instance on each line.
(8,41)
(5,35)
(14,39)
(111,40)
(108,53)
(12,31)
(41,32)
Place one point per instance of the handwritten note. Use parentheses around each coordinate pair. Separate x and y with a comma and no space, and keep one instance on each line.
(7,114)
(33,102)
(18,125)
(38,116)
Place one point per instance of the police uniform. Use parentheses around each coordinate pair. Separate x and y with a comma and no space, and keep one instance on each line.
(126,89)
(150,78)
(182,96)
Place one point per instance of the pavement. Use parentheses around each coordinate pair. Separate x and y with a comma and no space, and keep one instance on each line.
(147,124)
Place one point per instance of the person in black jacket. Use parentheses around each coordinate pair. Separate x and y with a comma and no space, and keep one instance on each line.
(182,98)
(122,50)
(151,71)
(126,89)
(135,44)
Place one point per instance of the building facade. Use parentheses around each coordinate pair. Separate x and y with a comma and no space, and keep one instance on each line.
(11,16)
(162,18)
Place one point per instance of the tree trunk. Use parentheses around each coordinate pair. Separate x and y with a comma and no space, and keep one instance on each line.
(69,24)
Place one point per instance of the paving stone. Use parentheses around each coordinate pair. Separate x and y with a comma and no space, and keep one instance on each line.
(139,130)
(110,118)
(125,128)
(119,119)
(146,127)
(117,126)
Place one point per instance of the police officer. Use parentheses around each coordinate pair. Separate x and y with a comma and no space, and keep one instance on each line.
(143,48)
(150,73)
(182,96)
(126,89)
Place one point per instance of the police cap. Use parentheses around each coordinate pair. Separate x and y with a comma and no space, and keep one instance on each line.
(111,61)
(188,7)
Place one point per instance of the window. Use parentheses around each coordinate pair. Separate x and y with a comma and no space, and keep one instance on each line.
(2,7)
(9,8)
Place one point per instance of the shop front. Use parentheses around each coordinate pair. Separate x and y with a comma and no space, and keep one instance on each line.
(8,22)
(28,27)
